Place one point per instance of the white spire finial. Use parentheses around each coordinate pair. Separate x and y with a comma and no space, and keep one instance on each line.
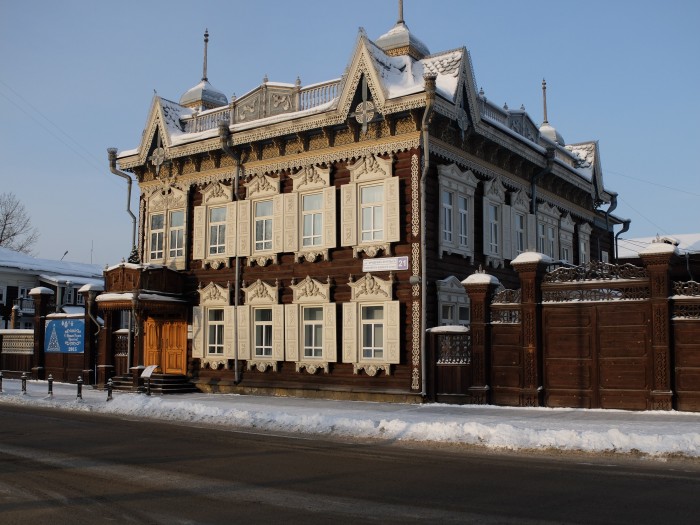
(544,98)
(206,42)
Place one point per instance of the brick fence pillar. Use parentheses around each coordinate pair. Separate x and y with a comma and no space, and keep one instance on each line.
(657,259)
(531,268)
(480,287)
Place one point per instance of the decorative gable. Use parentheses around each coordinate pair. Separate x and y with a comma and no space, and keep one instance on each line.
(311,291)
(370,168)
(217,193)
(311,178)
(261,293)
(213,295)
(371,288)
(262,186)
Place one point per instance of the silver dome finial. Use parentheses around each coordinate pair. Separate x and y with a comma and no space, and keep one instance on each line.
(206,43)
(544,99)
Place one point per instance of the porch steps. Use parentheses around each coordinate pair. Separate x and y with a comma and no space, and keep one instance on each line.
(161,384)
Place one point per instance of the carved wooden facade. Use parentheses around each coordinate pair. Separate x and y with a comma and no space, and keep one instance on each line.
(298,221)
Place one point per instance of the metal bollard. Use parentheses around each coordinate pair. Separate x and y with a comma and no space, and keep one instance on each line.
(148,386)
(110,385)
(80,387)
(0,381)
(24,383)
(50,380)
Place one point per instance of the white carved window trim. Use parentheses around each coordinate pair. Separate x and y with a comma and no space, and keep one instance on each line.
(370,171)
(566,238)
(500,250)
(215,195)
(217,342)
(310,293)
(371,291)
(462,186)
(260,295)
(258,189)
(548,218)
(451,292)
(520,207)
(309,181)
(212,297)
(165,200)
(584,238)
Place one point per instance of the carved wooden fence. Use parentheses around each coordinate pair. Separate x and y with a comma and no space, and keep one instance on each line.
(595,336)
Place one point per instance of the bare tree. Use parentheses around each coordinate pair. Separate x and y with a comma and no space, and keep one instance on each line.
(16,230)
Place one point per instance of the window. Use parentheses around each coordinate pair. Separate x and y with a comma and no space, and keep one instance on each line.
(215,224)
(456,213)
(212,327)
(313,331)
(215,331)
(3,293)
(372,332)
(177,234)
(447,219)
(371,325)
(551,243)
(493,239)
(463,221)
(447,314)
(548,230)
(312,220)
(604,256)
(310,326)
(68,295)
(372,213)
(370,207)
(584,241)
(217,231)
(566,254)
(263,332)
(157,233)
(263,226)
(453,302)
(519,233)
(80,299)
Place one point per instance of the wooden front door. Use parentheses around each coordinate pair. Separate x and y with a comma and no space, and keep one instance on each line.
(165,345)
(174,347)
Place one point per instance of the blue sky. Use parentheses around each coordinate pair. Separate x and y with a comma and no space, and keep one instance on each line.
(78,76)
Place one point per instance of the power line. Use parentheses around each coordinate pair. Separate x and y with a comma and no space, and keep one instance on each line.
(658,228)
(685,192)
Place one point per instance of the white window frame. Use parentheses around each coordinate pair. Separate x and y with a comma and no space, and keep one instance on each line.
(447,219)
(368,172)
(451,293)
(213,297)
(371,291)
(310,293)
(216,195)
(566,238)
(262,238)
(218,324)
(262,333)
(261,296)
(496,228)
(584,240)
(166,202)
(308,181)
(459,219)
(376,325)
(216,231)
(176,235)
(548,218)
(259,189)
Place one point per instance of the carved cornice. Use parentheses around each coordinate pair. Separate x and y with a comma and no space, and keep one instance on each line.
(261,366)
(371,369)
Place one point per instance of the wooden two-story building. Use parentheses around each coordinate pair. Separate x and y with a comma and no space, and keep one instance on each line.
(302,239)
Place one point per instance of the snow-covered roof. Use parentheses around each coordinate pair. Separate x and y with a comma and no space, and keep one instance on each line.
(47,267)
(205,93)
(75,280)
(684,243)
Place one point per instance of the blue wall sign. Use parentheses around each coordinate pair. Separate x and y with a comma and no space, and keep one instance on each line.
(65,336)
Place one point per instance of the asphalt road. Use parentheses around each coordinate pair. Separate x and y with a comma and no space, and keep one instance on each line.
(64,467)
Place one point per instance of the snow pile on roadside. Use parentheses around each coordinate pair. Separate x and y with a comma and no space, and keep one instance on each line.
(652,433)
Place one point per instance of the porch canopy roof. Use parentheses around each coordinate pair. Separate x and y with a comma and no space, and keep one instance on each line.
(142,301)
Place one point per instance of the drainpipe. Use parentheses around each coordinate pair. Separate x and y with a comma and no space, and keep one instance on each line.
(625,227)
(112,154)
(533,185)
(425,138)
(225,136)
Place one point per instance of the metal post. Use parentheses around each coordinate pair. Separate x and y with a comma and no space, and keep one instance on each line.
(110,385)
(0,381)
(50,380)
(148,386)
(80,387)
(24,383)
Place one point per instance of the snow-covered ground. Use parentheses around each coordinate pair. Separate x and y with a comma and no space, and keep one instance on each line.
(657,433)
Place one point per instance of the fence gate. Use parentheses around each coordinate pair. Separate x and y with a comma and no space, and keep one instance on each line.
(451,362)
(597,345)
